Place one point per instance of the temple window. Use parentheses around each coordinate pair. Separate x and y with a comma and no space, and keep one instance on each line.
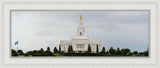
(80,33)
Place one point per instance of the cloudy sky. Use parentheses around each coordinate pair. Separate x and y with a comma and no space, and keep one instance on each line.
(40,29)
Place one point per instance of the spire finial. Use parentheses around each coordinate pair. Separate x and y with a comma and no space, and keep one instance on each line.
(80,17)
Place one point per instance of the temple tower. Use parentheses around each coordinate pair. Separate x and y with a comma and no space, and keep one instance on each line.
(81,28)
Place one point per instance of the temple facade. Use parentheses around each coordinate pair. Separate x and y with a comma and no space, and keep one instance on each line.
(80,42)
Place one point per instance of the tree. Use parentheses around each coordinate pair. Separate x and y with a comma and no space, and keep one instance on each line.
(130,54)
(107,52)
(118,51)
(122,52)
(112,51)
(135,52)
(48,48)
(141,54)
(48,52)
(14,53)
(97,49)
(89,48)
(146,53)
(103,50)
(41,52)
(59,48)
(20,52)
(55,50)
(35,53)
(29,53)
(126,51)
(70,49)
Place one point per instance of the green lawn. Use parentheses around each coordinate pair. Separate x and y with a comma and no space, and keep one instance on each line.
(58,55)
(20,55)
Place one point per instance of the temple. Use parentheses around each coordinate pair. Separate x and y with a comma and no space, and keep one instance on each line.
(80,42)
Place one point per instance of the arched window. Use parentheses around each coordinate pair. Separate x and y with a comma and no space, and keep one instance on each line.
(80,33)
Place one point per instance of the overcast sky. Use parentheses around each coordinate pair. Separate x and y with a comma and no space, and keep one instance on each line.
(40,29)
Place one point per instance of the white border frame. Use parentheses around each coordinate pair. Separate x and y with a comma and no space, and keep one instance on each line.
(6,6)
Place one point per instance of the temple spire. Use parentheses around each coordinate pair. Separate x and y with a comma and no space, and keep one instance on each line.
(81,29)
(80,17)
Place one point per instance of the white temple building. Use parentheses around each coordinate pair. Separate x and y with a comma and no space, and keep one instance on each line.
(80,42)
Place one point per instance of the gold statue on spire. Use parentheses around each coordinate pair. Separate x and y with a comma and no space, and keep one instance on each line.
(80,17)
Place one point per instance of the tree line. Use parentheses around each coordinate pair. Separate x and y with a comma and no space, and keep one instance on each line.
(103,52)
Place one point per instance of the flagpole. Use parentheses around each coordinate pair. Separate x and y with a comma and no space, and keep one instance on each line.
(17,47)
(16,44)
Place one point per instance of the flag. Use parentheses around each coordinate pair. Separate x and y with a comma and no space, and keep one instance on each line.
(16,43)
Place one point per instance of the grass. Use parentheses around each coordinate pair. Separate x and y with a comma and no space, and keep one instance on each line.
(20,55)
(57,54)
